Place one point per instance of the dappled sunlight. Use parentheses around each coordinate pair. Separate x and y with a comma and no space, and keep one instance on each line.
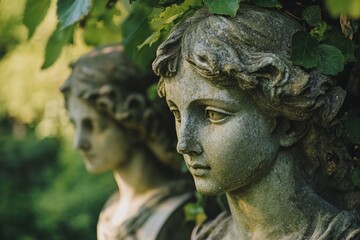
(30,94)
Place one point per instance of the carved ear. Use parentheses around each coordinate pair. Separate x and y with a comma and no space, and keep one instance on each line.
(270,72)
(291,132)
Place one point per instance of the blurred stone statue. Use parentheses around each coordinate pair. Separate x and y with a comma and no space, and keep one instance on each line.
(118,128)
(258,128)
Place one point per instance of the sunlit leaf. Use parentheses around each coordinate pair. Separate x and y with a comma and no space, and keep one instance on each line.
(225,7)
(312,15)
(71,11)
(35,11)
(304,48)
(59,38)
(319,31)
(331,60)
(101,27)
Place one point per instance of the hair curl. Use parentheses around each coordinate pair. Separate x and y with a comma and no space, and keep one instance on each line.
(114,86)
(253,51)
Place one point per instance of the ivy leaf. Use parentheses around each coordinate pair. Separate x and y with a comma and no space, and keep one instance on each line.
(352,128)
(331,61)
(153,38)
(71,11)
(312,15)
(335,38)
(319,31)
(59,38)
(225,7)
(266,3)
(163,22)
(35,11)
(304,50)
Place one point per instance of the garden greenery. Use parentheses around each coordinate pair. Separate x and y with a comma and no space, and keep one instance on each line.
(329,40)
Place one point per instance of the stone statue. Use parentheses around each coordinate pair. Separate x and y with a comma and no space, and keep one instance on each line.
(258,128)
(118,128)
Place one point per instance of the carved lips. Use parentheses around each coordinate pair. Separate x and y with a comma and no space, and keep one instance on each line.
(199,170)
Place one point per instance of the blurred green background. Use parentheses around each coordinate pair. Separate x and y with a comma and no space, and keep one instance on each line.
(45,191)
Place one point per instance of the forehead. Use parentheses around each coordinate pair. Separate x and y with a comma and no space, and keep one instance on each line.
(79,108)
(188,85)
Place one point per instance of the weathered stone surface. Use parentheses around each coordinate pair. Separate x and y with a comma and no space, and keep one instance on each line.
(255,126)
(117,128)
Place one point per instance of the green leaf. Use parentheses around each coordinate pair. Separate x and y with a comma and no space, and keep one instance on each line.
(59,38)
(152,92)
(135,30)
(312,15)
(318,32)
(71,11)
(304,49)
(352,128)
(225,7)
(162,23)
(337,39)
(101,27)
(356,176)
(266,3)
(331,61)
(100,34)
(35,11)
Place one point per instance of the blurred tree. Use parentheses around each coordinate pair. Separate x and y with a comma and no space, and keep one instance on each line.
(45,190)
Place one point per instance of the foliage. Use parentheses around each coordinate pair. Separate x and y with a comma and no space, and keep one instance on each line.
(348,7)
(59,38)
(222,7)
(70,11)
(10,31)
(149,22)
(329,42)
(35,11)
(42,196)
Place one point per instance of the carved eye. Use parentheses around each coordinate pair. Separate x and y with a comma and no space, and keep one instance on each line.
(215,115)
(176,114)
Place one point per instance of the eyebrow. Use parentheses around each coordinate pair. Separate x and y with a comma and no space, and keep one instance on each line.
(230,105)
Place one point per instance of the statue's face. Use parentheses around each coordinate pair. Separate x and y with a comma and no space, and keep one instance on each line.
(103,142)
(226,141)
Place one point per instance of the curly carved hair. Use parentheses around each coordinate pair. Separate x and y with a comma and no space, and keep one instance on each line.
(114,86)
(252,51)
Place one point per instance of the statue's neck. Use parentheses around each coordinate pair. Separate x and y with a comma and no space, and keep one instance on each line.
(277,205)
(137,181)
(139,175)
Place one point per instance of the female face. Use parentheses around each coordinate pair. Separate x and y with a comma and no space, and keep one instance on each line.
(103,143)
(226,141)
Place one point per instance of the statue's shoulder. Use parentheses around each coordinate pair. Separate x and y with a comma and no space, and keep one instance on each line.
(213,229)
(167,220)
(343,225)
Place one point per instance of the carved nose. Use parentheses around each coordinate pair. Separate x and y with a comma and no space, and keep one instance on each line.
(81,141)
(188,142)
